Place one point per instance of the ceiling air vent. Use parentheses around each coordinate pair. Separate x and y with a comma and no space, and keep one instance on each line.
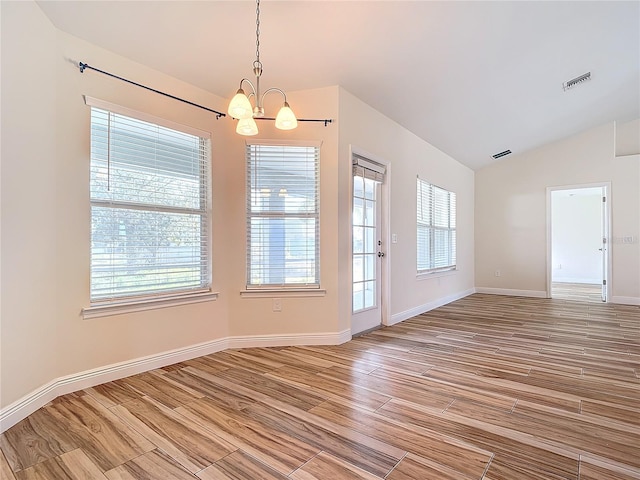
(576,81)
(501,154)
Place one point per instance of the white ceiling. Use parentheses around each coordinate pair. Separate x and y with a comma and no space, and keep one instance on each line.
(472,78)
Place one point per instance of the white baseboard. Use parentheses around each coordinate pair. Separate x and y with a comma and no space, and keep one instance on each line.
(587,281)
(412,312)
(511,292)
(626,300)
(249,341)
(28,404)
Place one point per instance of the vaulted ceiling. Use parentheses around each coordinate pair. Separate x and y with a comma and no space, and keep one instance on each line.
(472,78)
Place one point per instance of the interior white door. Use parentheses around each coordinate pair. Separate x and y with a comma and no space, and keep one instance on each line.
(367,254)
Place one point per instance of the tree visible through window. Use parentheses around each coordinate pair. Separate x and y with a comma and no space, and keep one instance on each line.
(149,208)
(436,232)
(282,215)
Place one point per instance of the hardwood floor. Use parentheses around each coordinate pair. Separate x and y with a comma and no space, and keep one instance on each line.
(486,387)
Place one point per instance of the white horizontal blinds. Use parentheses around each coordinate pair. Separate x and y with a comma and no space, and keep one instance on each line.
(436,228)
(283,215)
(365,168)
(149,212)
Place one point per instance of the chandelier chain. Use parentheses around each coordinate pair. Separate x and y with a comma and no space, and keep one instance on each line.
(258,31)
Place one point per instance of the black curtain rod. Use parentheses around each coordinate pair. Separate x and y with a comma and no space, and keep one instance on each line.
(82,67)
(325,121)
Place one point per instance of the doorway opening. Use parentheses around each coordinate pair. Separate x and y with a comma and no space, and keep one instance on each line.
(578,249)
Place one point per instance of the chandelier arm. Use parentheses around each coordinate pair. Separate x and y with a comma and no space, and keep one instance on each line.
(272,89)
(253,88)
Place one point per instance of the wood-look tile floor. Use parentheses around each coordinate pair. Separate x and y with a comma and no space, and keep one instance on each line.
(486,387)
(577,292)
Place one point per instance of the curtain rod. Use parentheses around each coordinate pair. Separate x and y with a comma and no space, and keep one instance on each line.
(325,121)
(82,66)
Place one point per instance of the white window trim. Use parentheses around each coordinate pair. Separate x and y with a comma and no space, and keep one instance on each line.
(286,143)
(441,271)
(427,274)
(143,304)
(145,117)
(269,291)
(283,292)
(138,304)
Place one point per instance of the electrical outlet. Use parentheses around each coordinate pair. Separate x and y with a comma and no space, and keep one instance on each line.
(497,273)
(277,304)
(394,238)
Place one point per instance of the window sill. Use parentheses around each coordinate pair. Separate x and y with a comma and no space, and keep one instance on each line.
(429,275)
(120,308)
(282,292)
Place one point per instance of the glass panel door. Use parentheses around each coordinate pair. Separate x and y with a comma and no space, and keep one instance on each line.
(366,254)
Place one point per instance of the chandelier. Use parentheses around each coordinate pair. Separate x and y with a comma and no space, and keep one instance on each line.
(240,106)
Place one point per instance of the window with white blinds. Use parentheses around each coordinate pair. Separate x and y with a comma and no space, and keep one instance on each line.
(149,209)
(436,228)
(283,215)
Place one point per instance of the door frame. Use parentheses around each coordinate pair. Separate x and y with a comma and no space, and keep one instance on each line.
(384,233)
(607,234)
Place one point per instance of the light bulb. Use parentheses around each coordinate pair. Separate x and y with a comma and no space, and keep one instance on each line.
(240,106)
(286,120)
(247,126)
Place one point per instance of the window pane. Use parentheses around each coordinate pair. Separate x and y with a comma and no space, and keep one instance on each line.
(358,296)
(134,252)
(358,240)
(369,294)
(436,224)
(369,189)
(282,251)
(370,267)
(282,209)
(358,211)
(358,187)
(358,268)
(370,213)
(370,240)
(148,189)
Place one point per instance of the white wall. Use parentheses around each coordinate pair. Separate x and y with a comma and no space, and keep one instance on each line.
(299,315)
(30,219)
(46,217)
(576,236)
(628,138)
(510,215)
(364,128)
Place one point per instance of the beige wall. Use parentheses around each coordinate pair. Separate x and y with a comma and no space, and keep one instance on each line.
(45,209)
(510,211)
(46,216)
(628,138)
(364,128)
(299,315)
(28,332)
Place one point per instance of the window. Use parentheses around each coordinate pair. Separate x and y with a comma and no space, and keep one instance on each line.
(149,209)
(436,228)
(283,215)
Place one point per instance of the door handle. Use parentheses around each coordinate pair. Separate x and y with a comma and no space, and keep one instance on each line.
(380,254)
